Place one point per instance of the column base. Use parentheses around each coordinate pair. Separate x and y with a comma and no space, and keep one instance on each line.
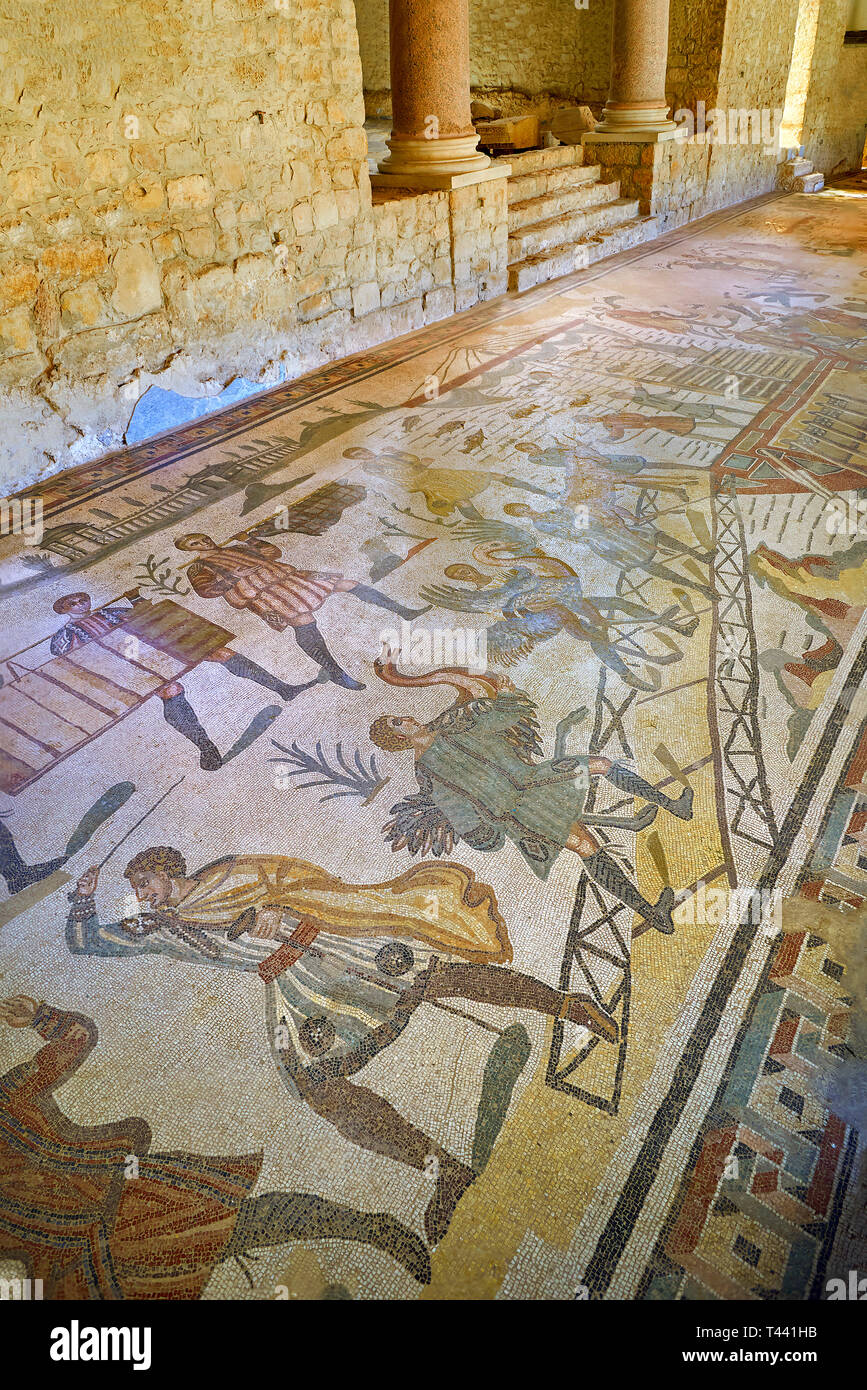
(449,162)
(602,136)
(641,121)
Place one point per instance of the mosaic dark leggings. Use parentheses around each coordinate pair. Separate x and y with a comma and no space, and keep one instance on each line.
(275,1218)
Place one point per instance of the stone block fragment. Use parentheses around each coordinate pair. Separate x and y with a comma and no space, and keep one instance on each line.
(18,285)
(365,298)
(83,307)
(193,191)
(16,332)
(509,133)
(571,122)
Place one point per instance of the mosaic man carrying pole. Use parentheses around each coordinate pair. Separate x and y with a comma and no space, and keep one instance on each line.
(184,633)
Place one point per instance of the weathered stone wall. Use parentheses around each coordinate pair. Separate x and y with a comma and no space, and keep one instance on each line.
(480,234)
(695,38)
(184,199)
(529,46)
(757,60)
(371,17)
(835,109)
(539,46)
(788,56)
(438,253)
(172,170)
(801,69)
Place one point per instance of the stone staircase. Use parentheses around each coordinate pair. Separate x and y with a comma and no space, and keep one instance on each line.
(798,175)
(563,218)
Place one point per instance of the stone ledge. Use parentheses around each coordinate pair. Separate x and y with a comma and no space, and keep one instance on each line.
(426,182)
(639,137)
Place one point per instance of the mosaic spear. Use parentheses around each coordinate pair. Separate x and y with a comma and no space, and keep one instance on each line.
(147,813)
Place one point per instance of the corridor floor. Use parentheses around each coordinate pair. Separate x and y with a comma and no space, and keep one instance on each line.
(471,737)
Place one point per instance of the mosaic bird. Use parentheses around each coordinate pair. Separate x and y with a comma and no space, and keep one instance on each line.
(623,542)
(538,600)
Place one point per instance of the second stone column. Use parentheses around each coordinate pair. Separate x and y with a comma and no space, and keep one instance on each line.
(636,108)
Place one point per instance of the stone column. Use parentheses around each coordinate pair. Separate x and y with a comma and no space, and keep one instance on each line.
(433,143)
(636,108)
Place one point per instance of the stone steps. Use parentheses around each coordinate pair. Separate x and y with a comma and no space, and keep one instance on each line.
(537,183)
(573,226)
(575,198)
(563,217)
(798,175)
(543,161)
(578,255)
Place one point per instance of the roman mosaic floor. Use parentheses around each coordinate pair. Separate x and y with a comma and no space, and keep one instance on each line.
(470,737)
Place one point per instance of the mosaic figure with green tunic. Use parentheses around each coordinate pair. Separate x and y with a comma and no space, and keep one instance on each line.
(481,780)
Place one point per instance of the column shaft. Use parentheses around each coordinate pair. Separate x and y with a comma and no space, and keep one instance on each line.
(432,138)
(636,108)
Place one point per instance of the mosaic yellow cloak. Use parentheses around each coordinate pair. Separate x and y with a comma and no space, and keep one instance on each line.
(442,905)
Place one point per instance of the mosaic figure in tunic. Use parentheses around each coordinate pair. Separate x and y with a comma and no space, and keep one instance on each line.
(481,780)
(250,574)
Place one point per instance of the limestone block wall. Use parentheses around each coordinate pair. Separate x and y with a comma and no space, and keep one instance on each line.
(412,252)
(439,253)
(669,178)
(800,74)
(757,60)
(541,46)
(753,76)
(480,233)
(695,38)
(185,199)
(728,55)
